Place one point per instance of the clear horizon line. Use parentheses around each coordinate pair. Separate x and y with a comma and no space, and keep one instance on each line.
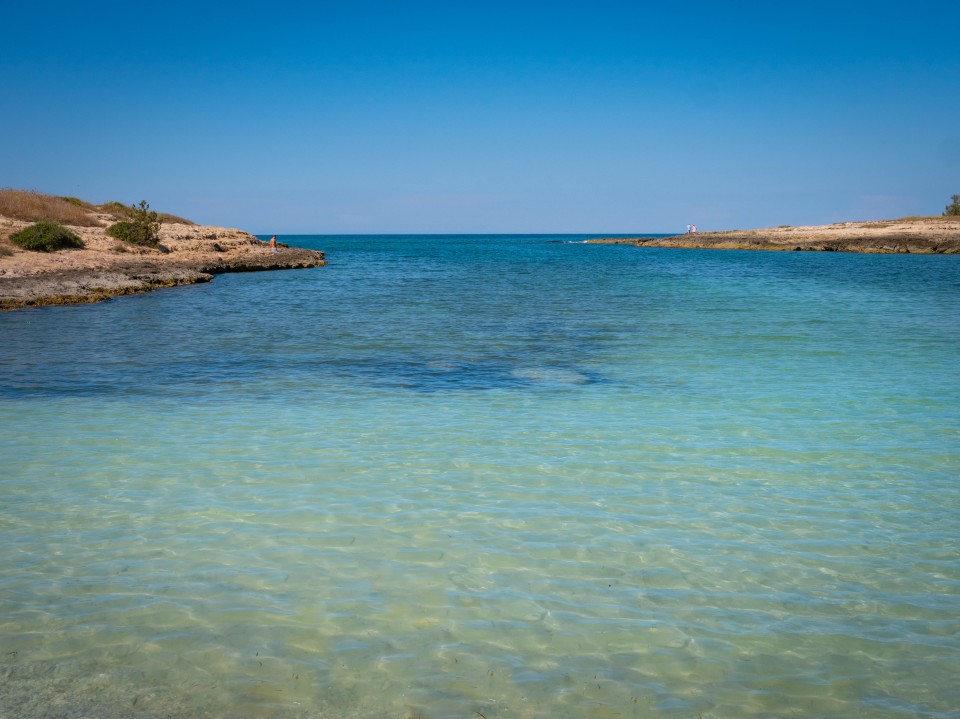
(466,234)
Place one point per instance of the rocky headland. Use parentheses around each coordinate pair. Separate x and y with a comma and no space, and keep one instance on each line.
(919,235)
(107,267)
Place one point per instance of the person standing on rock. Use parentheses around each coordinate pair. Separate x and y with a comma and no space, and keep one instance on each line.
(273,243)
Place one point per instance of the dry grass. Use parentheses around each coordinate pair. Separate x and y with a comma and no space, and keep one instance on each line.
(78,202)
(119,211)
(166,217)
(32,206)
(925,218)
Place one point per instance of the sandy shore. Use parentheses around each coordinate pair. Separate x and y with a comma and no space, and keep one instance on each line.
(107,267)
(923,235)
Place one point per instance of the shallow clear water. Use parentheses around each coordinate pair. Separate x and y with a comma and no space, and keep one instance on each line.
(497,476)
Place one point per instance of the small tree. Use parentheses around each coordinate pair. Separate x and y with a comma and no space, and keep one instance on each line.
(953,208)
(143,227)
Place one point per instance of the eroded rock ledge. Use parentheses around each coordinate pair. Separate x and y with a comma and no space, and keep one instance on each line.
(107,267)
(920,235)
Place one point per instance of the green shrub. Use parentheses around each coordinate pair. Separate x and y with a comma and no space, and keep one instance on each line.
(953,208)
(143,227)
(125,231)
(46,236)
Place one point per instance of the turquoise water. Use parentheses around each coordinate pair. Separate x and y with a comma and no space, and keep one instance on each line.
(497,476)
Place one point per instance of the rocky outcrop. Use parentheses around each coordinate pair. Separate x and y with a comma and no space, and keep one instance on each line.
(79,286)
(918,235)
(107,267)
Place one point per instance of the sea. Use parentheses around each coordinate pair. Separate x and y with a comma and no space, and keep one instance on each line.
(449,477)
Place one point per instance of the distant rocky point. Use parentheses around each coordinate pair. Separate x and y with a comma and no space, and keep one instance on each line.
(106,267)
(918,235)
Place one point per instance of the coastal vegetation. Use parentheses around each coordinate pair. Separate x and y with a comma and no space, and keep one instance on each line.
(116,209)
(122,212)
(46,236)
(953,209)
(39,265)
(142,227)
(32,206)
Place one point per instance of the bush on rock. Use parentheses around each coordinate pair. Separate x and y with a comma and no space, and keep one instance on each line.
(143,227)
(953,209)
(46,236)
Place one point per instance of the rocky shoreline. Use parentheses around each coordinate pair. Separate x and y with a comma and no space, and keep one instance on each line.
(915,235)
(107,267)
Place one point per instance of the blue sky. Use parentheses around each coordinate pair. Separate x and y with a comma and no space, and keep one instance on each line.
(356,117)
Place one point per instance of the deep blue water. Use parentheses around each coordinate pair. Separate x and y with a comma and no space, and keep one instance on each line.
(516,476)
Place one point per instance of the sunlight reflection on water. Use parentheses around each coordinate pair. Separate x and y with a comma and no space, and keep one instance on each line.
(500,476)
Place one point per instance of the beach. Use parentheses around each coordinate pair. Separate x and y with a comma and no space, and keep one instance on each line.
(107,267)
(915,235)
